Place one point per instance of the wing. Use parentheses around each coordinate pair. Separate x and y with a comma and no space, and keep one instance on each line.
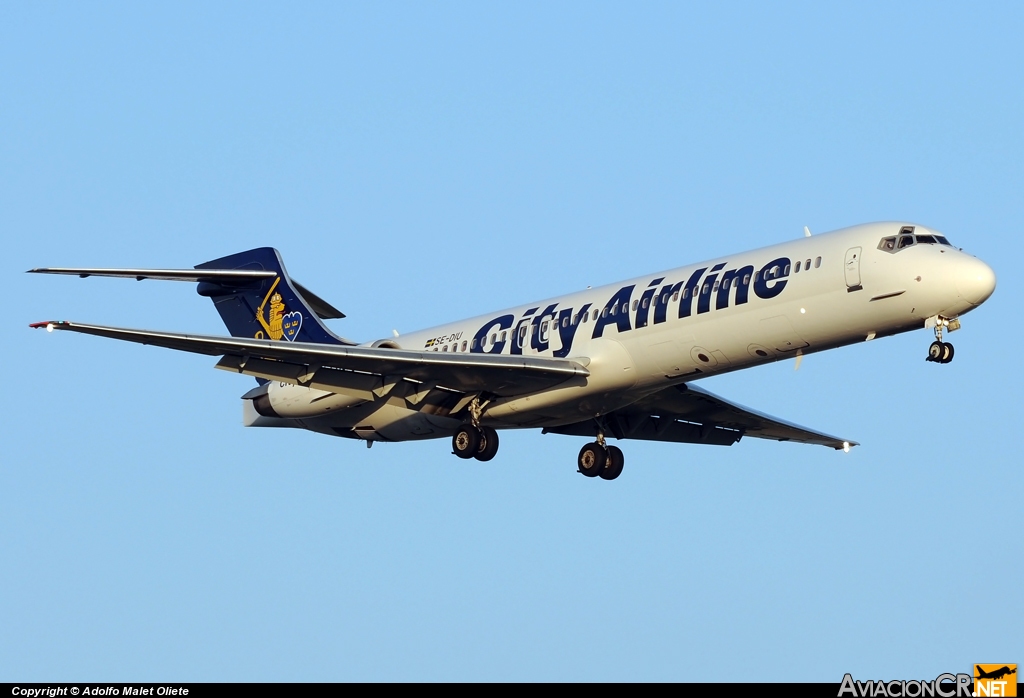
(688,414)
(331,366)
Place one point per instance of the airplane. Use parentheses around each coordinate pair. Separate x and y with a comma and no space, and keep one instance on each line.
(620,360)
(996,674)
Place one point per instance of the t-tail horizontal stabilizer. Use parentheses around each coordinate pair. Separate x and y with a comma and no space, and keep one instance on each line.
(252,292)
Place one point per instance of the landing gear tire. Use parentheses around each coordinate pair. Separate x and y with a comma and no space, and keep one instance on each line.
(613,466)
(466,441)
(488,447)
(936,351)
(592,459)
(947,353)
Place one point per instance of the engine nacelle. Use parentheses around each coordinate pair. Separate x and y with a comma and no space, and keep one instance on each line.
(295,401)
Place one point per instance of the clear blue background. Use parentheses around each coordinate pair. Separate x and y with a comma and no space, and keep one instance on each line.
(418,163)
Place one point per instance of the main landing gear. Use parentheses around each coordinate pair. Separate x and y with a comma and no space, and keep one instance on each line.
(938,351)
(474,441)
(598,459)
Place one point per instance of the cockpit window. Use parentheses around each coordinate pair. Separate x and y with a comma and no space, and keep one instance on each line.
(907,238)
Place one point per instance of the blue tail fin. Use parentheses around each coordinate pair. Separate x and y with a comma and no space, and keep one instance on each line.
(268,308)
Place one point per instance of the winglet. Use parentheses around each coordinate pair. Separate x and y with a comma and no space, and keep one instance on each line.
(807,232)
(48,324)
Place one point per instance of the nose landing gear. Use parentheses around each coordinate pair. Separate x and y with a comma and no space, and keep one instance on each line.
(942,352)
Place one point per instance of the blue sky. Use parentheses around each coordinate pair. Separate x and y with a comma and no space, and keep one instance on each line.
(419,163)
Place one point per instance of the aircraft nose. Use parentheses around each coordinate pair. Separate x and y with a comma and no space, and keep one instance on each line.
(975,280)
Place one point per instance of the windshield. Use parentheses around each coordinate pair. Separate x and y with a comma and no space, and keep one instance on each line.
(907,238)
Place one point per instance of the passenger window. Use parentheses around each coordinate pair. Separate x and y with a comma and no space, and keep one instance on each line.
(604,313)
(565,321)
(715,287)
(444,348)
(594,315)
(807,264)
(543,328)
(757,275)
(494,337)
(503,336)
(463,345)
(645,303)
(817,262)
(746,279)
(474,342)
(774,271)
(906,241)
(686,293)
(636,304)
(786,272)
(797,268)
(675,296)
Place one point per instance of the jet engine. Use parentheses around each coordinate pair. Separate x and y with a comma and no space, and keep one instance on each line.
(295,401)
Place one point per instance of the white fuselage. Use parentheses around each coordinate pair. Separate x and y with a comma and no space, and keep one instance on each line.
(644,334)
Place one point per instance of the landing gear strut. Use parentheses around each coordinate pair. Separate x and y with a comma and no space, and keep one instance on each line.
(598,459)
(938,351)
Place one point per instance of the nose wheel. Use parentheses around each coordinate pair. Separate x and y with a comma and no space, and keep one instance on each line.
(938,351)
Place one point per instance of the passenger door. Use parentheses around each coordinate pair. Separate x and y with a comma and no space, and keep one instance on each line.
(852,269)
